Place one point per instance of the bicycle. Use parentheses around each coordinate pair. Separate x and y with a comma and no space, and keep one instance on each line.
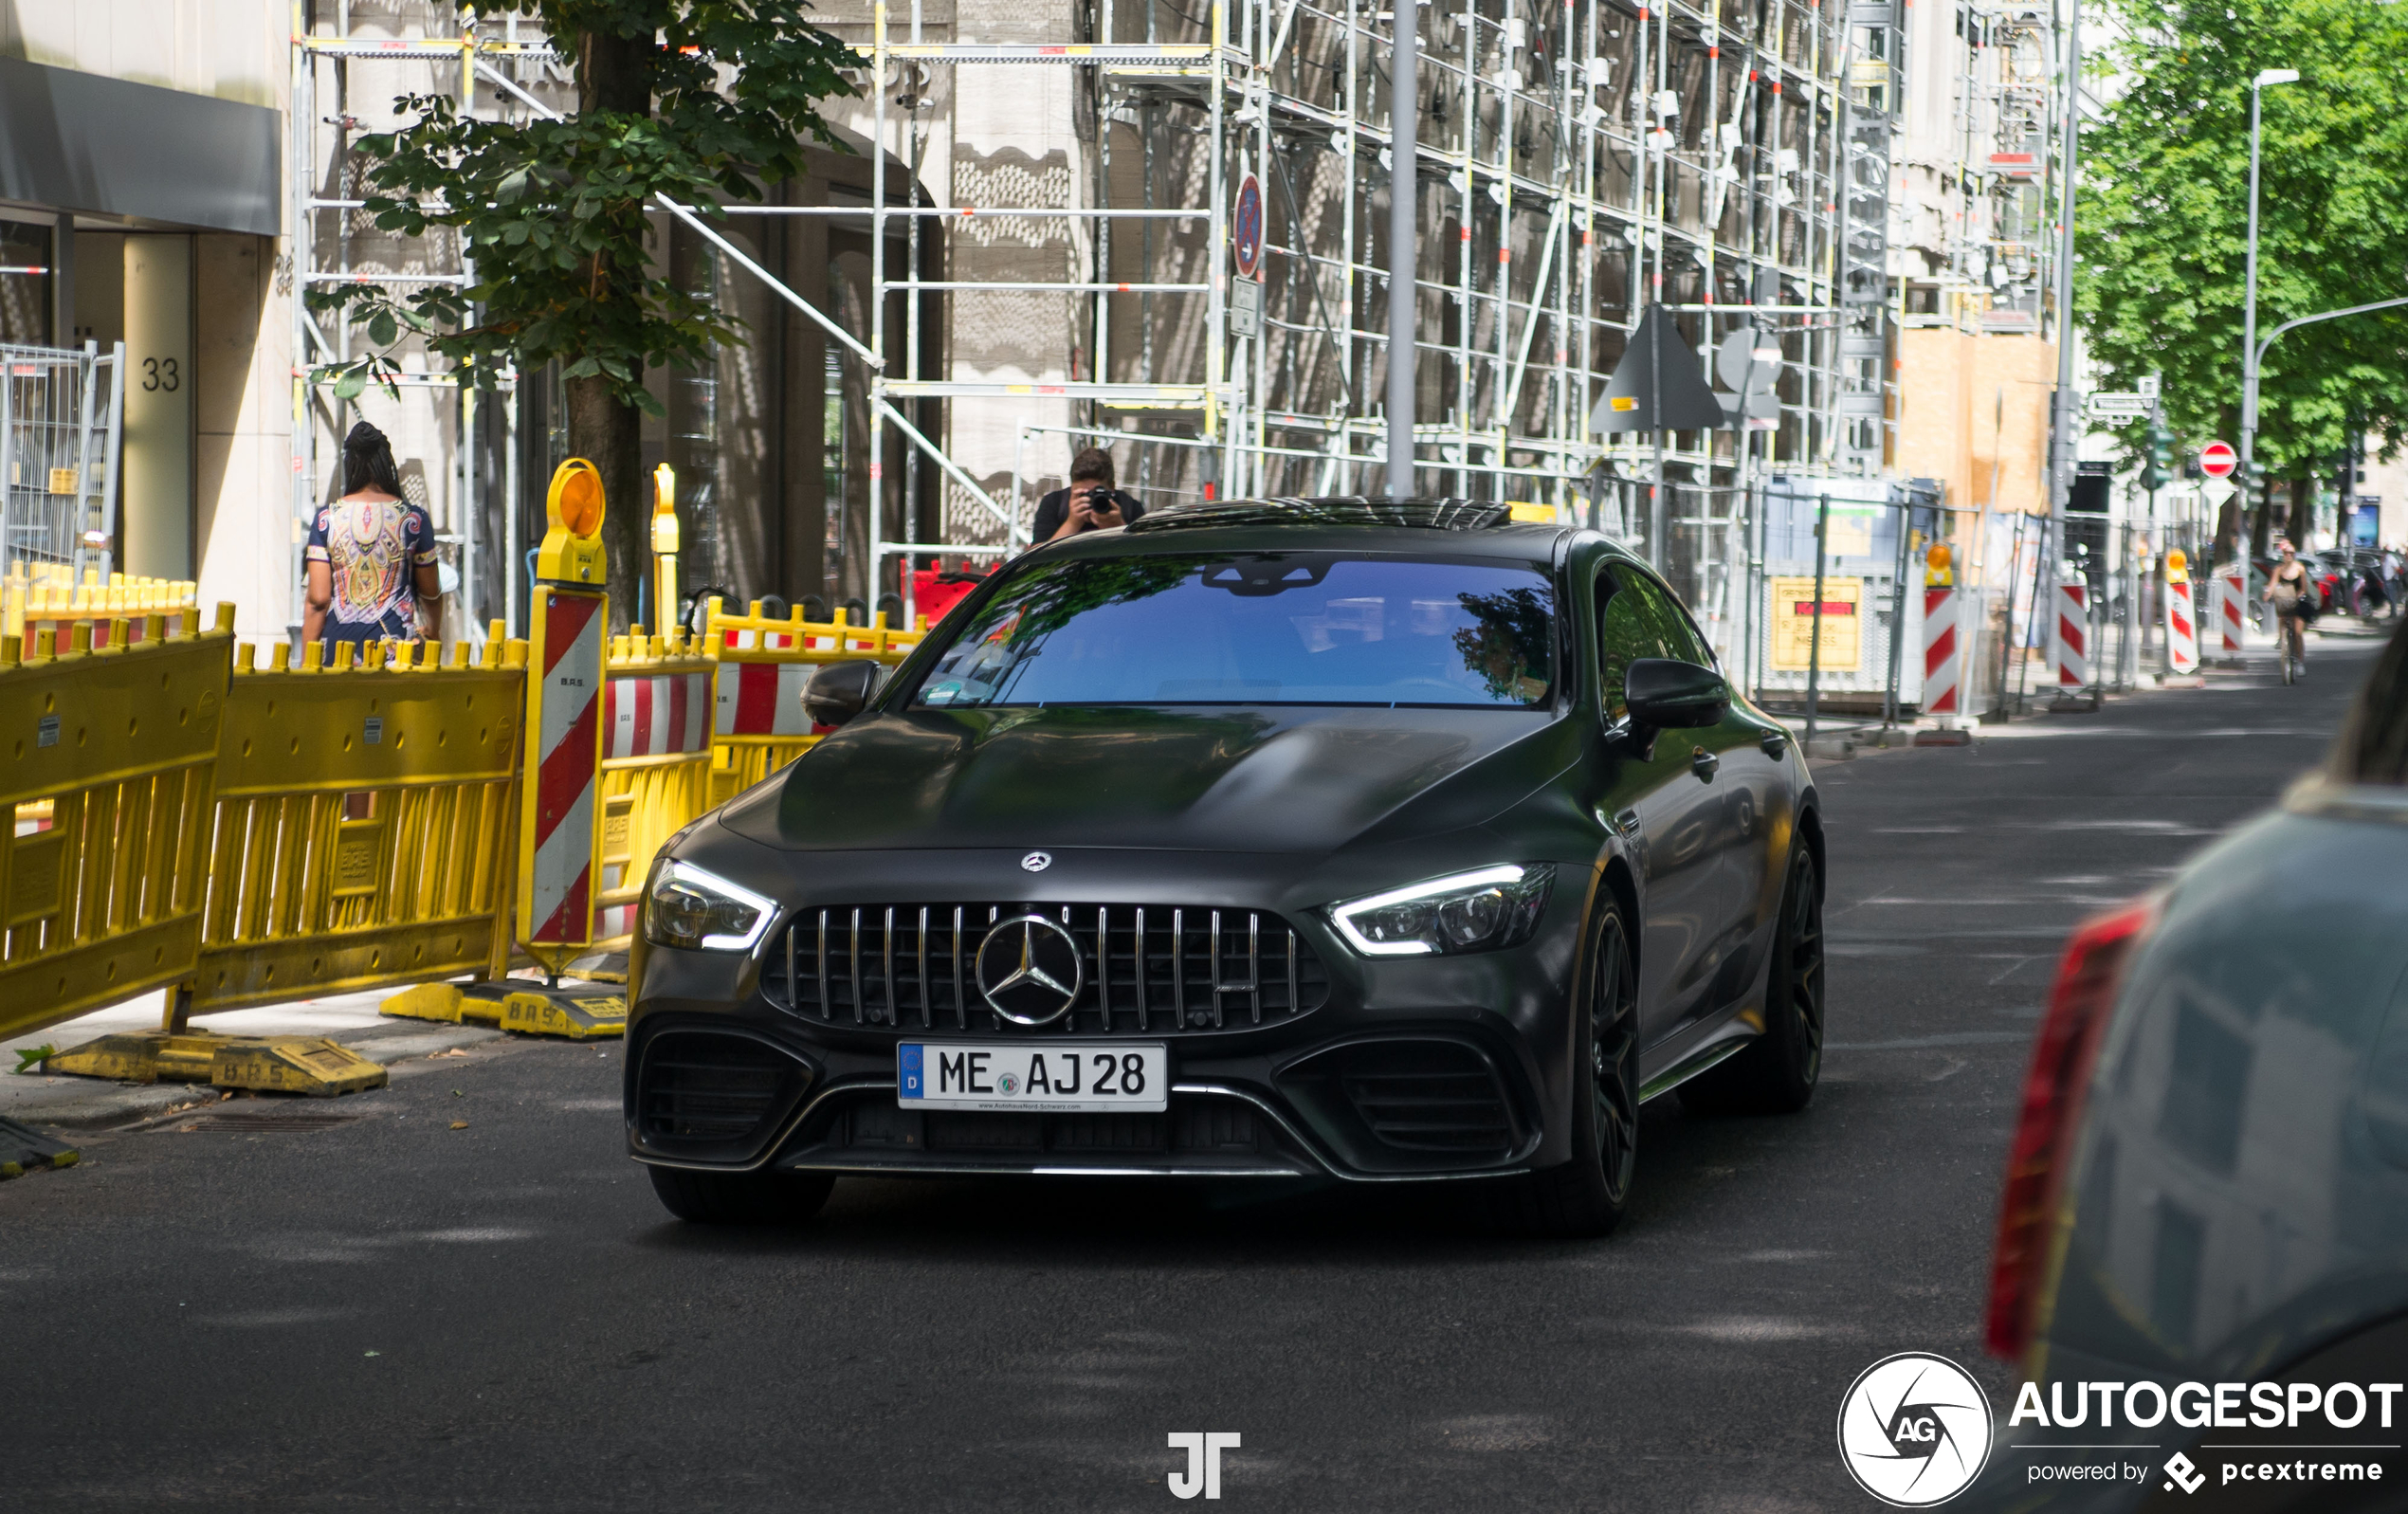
(2290,635)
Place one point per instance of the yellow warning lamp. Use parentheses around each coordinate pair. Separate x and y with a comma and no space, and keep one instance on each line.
(2177,566)
(572,551)
(1936,567)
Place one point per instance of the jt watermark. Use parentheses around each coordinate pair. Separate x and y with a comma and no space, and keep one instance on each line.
(1203,1448)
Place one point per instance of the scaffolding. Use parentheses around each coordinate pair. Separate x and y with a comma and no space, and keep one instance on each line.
(1574,164)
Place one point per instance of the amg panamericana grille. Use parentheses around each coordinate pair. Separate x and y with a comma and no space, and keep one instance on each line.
(1149,969)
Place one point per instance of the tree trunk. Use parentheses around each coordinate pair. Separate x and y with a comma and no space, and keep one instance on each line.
(2301,513)
(608,434)
(614,74)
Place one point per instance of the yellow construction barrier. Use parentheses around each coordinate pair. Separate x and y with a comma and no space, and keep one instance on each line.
(656,764)
(111,759)
(763,665)
(366,822)
(47,596)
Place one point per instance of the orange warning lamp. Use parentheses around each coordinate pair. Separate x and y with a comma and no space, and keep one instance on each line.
(2178,565)
(572,551)
(1937,562)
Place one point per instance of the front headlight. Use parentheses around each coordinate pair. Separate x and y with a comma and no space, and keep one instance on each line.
(1464,912)
(701,911)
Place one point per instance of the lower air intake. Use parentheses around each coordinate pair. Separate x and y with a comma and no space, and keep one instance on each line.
(702,1090)
(1427,1097)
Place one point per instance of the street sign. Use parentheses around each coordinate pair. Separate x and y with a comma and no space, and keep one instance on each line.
(2146,385)
(1246,227)
(2119,405)
(2218,460)
(1748,361)
(2216,491)
(1246,308)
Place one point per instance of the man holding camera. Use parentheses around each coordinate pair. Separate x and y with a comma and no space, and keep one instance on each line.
(1091,504)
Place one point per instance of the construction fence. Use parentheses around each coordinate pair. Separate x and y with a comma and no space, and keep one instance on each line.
(240,834)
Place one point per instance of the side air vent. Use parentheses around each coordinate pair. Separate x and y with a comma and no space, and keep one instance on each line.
(699,1090)
(1409,1105)
(1427,1096)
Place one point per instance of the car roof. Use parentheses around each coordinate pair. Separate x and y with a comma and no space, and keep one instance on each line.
(1455,527)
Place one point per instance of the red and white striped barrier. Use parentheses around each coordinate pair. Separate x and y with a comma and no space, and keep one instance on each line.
(657,716)
(1942,678)
(2182,630)
(2071,636)
(761,699)
(566,692)
(2229,609)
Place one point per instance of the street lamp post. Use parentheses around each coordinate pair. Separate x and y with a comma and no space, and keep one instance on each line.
(2248,313)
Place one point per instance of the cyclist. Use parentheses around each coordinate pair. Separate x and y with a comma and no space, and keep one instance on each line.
(2287,590)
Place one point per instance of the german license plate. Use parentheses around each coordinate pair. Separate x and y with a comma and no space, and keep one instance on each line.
(1065,1080)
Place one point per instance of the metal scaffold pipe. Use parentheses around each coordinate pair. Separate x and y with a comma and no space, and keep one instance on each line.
(1404,110)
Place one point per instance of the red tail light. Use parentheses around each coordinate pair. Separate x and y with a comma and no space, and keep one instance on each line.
(2062,1055)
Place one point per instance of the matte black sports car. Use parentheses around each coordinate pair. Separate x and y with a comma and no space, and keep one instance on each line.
(1375,840)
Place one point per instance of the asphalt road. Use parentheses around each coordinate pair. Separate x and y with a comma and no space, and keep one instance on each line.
(397,1313)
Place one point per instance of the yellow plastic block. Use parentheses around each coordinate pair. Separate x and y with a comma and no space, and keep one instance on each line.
(582,1013)
(276,1064)
(428,1001)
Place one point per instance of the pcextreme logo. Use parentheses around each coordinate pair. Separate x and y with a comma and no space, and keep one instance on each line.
(1914,1430)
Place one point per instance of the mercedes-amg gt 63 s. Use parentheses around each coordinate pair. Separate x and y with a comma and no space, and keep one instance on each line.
(1370,840)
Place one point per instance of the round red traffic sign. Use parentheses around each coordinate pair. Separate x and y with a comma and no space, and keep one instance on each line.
(1246,227)
(2218,460)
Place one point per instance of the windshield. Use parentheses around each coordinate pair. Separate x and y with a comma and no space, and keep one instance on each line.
(1287,628)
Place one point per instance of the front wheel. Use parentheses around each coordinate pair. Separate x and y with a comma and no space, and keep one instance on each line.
(1587,1196)
(741,1199)
(1776,1073)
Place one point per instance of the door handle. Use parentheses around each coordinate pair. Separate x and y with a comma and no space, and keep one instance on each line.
(1772,743)
(1703,764)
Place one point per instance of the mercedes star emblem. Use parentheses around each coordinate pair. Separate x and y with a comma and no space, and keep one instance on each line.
(1030,970)
(1037,862)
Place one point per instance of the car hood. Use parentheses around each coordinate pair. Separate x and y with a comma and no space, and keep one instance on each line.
(1306,779)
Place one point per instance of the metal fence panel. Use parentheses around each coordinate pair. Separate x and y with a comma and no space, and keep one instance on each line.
(59,428)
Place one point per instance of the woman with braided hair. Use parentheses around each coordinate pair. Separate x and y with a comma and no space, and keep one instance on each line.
(372,555)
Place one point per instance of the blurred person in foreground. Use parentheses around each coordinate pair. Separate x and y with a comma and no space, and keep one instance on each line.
(372,555)
(1091,504)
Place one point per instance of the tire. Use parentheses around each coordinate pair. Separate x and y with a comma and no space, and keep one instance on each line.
(1776,1075)
(741,1199)
(1587,1196)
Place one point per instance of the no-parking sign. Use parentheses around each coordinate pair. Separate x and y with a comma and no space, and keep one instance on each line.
(1246,227)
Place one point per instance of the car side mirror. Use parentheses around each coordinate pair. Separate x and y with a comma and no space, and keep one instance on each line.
(839,691)
(1664,694)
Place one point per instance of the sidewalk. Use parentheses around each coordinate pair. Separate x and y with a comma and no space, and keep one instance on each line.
(87,1103)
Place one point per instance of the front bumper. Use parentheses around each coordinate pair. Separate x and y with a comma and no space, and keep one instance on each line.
(1417,1069)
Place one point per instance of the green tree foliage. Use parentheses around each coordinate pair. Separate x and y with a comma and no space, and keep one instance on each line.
(701,100)
(2162,221)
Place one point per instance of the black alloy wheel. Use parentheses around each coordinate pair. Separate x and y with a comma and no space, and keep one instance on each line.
(1588,1195)
(741,1199)
(1776,1075)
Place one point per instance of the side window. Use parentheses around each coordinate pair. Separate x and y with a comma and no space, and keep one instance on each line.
(1634,619)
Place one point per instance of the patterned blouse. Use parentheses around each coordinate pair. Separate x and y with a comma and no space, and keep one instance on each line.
(372,549)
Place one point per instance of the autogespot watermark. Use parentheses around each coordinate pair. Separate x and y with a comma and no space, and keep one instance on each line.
(2340,1428)
(1914,1430)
